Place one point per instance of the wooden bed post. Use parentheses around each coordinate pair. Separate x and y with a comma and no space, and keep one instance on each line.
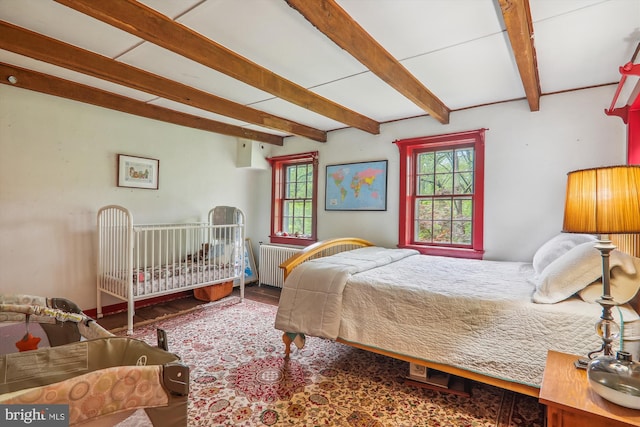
(287,344)
(292,337)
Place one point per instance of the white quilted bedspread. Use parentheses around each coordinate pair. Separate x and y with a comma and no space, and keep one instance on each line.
(311,300)
(477,315)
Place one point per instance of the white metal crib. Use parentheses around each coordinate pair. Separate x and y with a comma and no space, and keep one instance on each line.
(137,262)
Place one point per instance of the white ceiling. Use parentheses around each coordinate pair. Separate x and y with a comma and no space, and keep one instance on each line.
(458,49)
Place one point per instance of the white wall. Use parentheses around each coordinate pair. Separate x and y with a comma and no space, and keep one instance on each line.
(58,167)
(58,161)
(528,155)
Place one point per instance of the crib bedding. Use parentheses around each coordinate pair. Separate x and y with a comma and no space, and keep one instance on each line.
(151,280)
(178,275)
(475,315)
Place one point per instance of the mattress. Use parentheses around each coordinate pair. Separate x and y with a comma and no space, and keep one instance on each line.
(174,276)
(156,279)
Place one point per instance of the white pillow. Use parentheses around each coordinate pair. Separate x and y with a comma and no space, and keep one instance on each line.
(624,285)
(575,270)
(557,246)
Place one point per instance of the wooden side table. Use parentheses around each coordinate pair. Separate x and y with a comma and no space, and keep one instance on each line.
(571,402)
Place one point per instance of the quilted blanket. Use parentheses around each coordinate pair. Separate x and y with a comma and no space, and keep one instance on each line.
(311,300)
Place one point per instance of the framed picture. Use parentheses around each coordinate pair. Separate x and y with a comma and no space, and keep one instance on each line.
(356,187)
(138,172)
(250,271)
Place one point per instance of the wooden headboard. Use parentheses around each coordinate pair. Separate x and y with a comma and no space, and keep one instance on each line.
(629,244)
(322,249)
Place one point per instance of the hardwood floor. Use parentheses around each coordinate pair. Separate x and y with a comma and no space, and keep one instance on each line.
(264,294)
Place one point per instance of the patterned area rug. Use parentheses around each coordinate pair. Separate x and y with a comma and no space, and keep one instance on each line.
(239,377)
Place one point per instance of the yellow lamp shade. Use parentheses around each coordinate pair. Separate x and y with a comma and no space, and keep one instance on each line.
(603,201)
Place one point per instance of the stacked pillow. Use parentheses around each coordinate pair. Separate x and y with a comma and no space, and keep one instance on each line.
(556,247)
(569,264)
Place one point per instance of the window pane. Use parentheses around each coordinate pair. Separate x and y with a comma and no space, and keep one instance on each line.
(298,226)
(464,160)
(425,185)
(442,231)
(442,209)
(290,174)
(463,183)
(426,163)
(444,184)
(424,232)
(424,209)
(462,232)
(308,186)
(287,225)
(444,161)
(462,208)
(300,190)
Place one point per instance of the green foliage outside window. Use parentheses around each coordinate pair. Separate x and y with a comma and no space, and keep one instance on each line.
(444,190)
(298,208)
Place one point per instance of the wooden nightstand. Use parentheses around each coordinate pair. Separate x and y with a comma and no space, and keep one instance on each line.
(571,402)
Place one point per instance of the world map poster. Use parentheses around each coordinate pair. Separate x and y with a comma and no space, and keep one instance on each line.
(357,187)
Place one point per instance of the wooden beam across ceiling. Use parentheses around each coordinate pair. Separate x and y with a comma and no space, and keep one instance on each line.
(517,19)
(46,49)
(328,17)
(39,82)
(148,24)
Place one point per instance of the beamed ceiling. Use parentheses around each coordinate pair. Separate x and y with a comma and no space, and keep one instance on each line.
(268,69)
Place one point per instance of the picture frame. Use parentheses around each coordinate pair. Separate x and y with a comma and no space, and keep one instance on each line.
(250,270)
(138,172)
(358,186)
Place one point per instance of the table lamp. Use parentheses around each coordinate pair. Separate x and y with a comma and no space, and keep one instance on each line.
(606,201)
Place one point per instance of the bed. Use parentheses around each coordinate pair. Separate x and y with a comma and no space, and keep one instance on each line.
(142,261)
(488,321)
(75,369)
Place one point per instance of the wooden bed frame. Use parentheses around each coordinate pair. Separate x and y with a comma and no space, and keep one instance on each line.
(333,246)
